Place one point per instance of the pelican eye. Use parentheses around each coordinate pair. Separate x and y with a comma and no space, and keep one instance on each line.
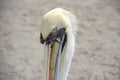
(53,36)
(54,30)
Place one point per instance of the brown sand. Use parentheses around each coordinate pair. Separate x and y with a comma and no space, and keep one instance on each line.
(97,55)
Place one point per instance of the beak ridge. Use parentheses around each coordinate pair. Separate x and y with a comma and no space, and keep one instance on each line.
(53,52)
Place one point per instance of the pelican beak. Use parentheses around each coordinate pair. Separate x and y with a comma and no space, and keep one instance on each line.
(55,42)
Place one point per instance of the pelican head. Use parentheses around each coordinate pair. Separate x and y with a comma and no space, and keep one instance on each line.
(58,28)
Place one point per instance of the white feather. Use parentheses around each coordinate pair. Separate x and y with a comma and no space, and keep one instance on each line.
(61,18)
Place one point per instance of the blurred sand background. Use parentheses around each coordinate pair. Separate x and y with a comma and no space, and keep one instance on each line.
(97,53)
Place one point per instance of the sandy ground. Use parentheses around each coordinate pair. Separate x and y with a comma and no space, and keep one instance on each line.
(97,54)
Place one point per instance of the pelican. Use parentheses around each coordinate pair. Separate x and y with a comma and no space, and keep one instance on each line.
(58,28)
